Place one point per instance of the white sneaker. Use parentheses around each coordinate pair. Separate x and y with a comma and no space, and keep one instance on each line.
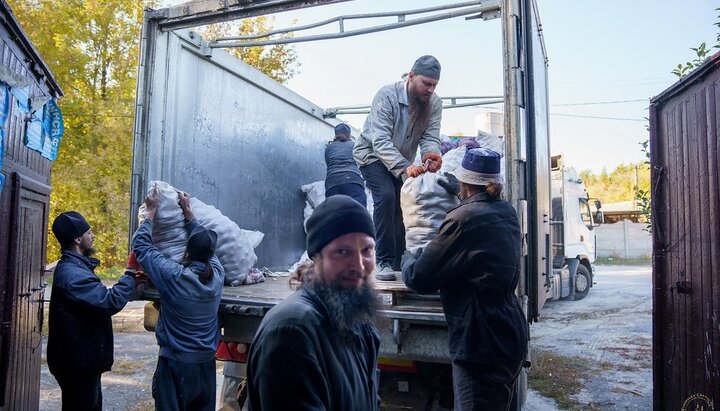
(384,272)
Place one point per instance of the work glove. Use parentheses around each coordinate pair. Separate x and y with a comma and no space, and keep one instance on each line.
(450,183)
(432,162)
(134,270)
(414,171)
(132,263)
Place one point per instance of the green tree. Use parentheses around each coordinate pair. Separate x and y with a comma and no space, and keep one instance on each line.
(278,62)
(621,184)
(92,49)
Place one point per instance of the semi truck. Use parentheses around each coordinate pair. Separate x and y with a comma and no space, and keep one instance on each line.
(574,218)
(213,126)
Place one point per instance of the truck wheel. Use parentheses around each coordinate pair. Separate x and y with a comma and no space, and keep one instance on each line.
(582,282)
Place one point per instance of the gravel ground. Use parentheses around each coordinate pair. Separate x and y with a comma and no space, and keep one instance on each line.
(610,328)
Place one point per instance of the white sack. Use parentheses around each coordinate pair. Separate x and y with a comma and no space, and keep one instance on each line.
(425,203)
(315,194)
(234,245)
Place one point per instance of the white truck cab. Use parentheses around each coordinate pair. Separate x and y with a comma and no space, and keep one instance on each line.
(574,218)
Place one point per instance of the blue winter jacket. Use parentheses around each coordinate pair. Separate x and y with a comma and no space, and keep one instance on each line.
(80,337)
(188,329)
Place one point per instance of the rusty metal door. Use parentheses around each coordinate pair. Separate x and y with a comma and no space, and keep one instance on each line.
(21,354)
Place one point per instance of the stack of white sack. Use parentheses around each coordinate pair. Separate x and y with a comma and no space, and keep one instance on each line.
(315,194)
(425,203)
(235,246)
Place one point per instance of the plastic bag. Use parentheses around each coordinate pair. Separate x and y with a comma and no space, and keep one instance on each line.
(234,245)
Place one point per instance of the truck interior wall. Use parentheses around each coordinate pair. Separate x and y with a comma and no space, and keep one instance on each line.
(232,137)
(686,240)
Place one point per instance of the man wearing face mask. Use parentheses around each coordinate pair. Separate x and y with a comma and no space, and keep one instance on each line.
(404,116)
(80,336)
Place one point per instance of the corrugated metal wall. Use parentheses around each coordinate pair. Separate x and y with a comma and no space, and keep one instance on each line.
(684,122)
(24,204)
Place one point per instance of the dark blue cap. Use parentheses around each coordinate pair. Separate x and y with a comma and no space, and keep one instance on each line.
(427,66)
(480,166)
(201,243)
(342,129)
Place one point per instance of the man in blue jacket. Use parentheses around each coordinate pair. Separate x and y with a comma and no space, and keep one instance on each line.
(80,337)
(187,331)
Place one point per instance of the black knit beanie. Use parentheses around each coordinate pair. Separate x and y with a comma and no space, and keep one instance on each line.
(69,226)
(201,243)
(336,216)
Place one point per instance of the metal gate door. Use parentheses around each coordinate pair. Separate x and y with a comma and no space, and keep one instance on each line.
(21,354)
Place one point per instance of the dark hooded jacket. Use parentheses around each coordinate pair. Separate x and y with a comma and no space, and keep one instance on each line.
(474,262)
(80,337)
(298,362)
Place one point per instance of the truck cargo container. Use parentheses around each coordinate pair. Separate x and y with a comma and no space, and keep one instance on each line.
(211,125)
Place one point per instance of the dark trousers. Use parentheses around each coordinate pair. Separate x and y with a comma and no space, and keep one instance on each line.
(80,392)
(387,214)
(353,190)
(179,386)
(484,386)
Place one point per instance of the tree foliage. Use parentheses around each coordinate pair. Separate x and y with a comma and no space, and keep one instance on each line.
(702,52)
(92,50)
(618,185)
(278,62)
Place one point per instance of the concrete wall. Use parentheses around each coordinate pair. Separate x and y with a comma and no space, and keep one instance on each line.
(624,239)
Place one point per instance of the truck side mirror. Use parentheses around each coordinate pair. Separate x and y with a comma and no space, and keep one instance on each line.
(599,218)
(598,204)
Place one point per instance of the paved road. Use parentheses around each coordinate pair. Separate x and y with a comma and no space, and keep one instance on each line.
(611,328)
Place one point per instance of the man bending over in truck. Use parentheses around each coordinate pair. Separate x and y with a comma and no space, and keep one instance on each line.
(404,116)
(80,336)
(187,330)
(318,349)
(475,263)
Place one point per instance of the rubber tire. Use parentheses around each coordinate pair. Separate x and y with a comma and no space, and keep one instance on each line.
(582,275)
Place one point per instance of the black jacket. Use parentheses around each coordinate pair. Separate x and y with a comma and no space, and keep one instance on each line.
(474,262)
(297,361)
(80,338)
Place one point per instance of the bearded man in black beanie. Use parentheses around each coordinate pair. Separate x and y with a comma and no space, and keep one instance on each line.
(80,336)
(318,349)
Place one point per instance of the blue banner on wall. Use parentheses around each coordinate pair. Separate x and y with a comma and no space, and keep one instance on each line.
(2,156)
(4,103)
(23,98)
(53,129)
(34,134)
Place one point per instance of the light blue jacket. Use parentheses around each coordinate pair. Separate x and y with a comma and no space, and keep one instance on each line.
(387,135)
(188,329)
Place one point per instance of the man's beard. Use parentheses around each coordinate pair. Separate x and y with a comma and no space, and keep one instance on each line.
(419,111)
(89,252)
(349,309)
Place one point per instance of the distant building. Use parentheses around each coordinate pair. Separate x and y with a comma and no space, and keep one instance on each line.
(624,210)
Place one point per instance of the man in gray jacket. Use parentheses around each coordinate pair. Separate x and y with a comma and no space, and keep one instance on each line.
(403,116)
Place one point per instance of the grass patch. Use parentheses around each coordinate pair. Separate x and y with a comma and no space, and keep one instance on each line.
(622,261)
(128,325)
(144,406)
(559,377)
(127,367)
